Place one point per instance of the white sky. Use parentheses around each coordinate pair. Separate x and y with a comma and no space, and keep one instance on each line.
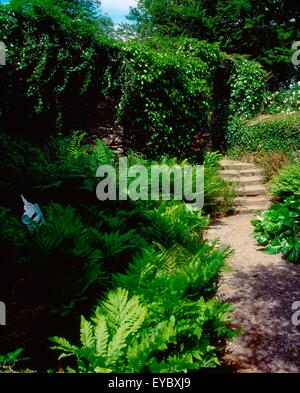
(117,9)
(121,5)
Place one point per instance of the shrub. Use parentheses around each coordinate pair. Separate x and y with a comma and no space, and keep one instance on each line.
(167,96)
(53,58)
(247,85)
(287,181)
(266,133)
(279,229)
(283,101)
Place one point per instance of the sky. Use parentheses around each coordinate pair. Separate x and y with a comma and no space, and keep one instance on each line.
(117,9)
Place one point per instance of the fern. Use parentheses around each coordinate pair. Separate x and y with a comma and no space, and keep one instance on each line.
(75,148)
(174,224)
(87,338)
(101,155)
(101,334)
(103,340)
(211,159)
(9,360)
(114,244)
(63,250)
(135,343)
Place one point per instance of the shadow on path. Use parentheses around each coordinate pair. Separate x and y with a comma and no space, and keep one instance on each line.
(262,289)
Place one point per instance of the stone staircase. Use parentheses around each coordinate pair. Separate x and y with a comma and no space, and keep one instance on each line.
(252,194)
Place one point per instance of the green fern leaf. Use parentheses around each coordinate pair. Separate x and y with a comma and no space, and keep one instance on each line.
(87,338)
(117,344)
(101,334)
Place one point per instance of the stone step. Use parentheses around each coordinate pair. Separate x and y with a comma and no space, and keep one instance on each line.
(251,172)
(252,201)
(231,173)
(250,209)
(245,180)
(252,190)
(249,181)
(236,165)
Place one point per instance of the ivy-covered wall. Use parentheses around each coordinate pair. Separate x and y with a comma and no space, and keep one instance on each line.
(56,67)
(59,67)
(167,95)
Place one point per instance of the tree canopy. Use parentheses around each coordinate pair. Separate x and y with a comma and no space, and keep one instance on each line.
(264,30)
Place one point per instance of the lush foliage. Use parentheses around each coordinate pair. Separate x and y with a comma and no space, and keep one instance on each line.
(140,272)
(72,258)
(56,54)
(167,92)
(267,133)
(123,336)
(9,360)
(68,252)
(278,229)
(64,169)
(239,26)
(284,100)
(287,181)
(247,87)
(170,324)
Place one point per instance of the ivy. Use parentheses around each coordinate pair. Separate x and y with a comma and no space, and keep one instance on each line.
(55,65)
(248,84)
(167,93)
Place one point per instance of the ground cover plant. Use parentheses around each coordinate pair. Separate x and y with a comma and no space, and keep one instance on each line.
(278,228)
(273,133)
(72,259)
(287,181)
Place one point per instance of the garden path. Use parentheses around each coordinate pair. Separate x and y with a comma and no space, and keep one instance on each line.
(262,289)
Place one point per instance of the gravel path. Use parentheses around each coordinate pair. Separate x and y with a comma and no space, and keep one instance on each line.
(262,289)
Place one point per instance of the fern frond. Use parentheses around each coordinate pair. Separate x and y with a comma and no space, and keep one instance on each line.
(101,335)
(75,148)
(117,344)
(101,155)
(87,338)
(63,345)
(121,312)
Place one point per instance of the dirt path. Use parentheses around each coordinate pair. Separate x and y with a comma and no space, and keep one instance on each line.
(262,289)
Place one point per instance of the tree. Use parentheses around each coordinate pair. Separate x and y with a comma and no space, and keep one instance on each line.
(89,11)
(263,29)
